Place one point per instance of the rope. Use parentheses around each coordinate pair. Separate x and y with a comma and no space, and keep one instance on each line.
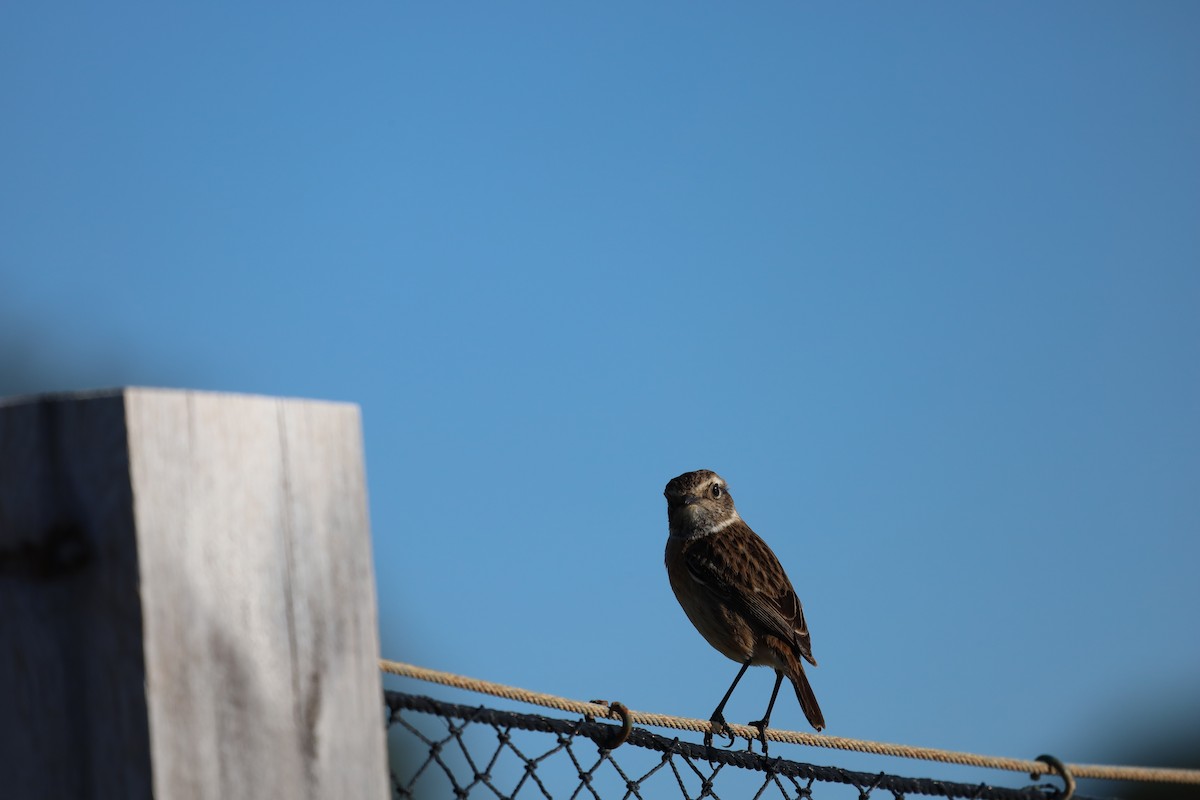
(1102,771)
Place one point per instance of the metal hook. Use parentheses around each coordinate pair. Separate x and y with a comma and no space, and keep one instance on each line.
(1064,773)
(626,725)
(619,736)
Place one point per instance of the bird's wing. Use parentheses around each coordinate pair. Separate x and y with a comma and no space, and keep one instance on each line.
(741,571)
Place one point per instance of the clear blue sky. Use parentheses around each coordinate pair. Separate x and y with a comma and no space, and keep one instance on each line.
(922,281)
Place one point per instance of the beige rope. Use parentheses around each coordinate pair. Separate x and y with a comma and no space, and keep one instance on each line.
(1150,774)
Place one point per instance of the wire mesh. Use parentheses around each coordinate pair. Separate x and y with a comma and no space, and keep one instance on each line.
(441,749)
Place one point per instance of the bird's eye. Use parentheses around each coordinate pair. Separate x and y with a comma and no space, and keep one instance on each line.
(716,491)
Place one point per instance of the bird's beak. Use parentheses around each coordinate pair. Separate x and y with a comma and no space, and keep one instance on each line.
(690,499)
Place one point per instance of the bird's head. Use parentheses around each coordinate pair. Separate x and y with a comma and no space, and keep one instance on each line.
(699,503)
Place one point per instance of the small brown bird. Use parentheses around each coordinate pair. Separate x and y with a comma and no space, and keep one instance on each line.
(734,590)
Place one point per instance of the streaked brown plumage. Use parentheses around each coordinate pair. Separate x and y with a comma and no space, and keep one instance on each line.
(735,591)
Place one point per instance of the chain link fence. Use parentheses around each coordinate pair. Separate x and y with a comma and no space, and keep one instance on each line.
(444,750)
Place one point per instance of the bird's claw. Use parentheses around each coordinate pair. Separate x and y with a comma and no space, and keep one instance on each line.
(761,725)
(722,730)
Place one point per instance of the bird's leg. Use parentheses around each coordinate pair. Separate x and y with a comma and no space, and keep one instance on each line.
(718,716)
(766,720)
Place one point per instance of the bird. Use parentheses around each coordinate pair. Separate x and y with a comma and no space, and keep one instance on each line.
(737,594)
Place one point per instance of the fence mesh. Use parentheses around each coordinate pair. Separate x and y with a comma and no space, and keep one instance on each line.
(441,749)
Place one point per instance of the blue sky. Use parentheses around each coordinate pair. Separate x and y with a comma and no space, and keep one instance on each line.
(921,281)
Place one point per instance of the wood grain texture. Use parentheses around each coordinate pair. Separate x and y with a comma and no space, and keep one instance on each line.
(250,584)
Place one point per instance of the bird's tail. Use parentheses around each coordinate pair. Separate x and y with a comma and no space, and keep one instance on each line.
(804,693)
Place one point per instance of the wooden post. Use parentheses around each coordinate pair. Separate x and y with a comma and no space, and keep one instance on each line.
(187,602)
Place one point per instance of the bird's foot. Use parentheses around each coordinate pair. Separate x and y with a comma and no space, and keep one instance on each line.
(722,730)
(761,725)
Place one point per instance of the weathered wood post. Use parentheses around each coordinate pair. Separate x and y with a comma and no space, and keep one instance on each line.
(187,601)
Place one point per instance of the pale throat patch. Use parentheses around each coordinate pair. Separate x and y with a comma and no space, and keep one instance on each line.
(717,527)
